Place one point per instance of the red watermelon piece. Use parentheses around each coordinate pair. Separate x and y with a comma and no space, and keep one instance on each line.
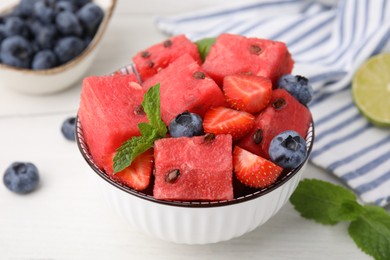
(109,113)
(195,168)
(283,113)
(233,54)
(185,87)
(150,61)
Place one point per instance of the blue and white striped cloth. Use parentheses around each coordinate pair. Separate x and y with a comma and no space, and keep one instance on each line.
(328,43)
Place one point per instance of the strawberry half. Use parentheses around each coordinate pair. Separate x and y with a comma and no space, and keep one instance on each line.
(223,120)
(137,175)
(253,170)
(249,93)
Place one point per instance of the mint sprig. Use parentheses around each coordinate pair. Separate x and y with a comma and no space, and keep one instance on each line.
(329,204)
(150,132)
(204,46)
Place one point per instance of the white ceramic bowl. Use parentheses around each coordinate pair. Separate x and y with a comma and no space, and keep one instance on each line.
(61,77)
(195,222)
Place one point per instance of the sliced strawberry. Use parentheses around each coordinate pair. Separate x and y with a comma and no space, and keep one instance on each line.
(249,93)
(253,170)
(137,175)
(223,120)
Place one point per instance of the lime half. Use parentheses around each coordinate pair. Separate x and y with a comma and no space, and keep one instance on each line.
(371,89)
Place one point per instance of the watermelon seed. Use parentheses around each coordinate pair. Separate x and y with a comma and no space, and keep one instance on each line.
(255,49)
(172,176)
(139,110)
(199,75)
(167,43)
(258,136)
(151,64)
(209,138)
(145,54)
(279,103)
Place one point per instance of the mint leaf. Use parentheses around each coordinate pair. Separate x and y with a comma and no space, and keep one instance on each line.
(324,202)
(150,132)
(129,150)
(371,232)
(151,106)
(204,46)
(328,204)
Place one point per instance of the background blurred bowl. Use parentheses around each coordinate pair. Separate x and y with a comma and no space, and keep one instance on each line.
(61,77)
(195,222)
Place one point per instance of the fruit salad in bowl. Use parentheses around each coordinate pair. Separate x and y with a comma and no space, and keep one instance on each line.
(47,45)
(198,142)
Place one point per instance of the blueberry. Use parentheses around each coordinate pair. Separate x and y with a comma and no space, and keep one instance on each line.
(68,48)
(45,59)
(16,51)
(68,24)
(46,36)
(186,124)
(26,7)
(297,86)
(16,26)
(44,11)
(68,128)
(21,177)
(63,6)
(288,149)
(79,3)
(2,33)
(90,16)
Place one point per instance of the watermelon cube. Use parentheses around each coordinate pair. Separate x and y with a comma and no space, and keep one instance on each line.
(233,54)
(109,114)
(185,87)
(150,61)
(283,113)
(193,169)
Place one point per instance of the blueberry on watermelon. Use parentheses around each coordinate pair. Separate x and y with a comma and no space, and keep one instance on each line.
(283,113)
(186,124)
(298,86)
(288,149)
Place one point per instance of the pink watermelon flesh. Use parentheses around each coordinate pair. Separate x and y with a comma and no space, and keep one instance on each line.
(150,61)
(108,114)
(204,167)
(269,123)
(232,54)
(183,88)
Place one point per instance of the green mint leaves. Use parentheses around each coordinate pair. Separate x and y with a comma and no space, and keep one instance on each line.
(150,132)
(204,46)
(329,204)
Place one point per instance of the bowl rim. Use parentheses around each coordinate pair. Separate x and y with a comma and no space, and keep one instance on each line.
(68,65)
(191,204)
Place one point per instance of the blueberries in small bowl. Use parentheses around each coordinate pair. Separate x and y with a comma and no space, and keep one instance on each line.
(61,28)
(21,177)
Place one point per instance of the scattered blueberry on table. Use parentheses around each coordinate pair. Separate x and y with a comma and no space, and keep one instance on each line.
(68,128)
(42,34)
(21,177)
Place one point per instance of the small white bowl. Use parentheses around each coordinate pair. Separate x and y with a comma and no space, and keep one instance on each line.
(195,222)
(61,77)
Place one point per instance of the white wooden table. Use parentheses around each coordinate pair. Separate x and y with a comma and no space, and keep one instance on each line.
(67,219)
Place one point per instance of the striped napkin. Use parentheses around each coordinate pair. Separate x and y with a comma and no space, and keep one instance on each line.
(328,43)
